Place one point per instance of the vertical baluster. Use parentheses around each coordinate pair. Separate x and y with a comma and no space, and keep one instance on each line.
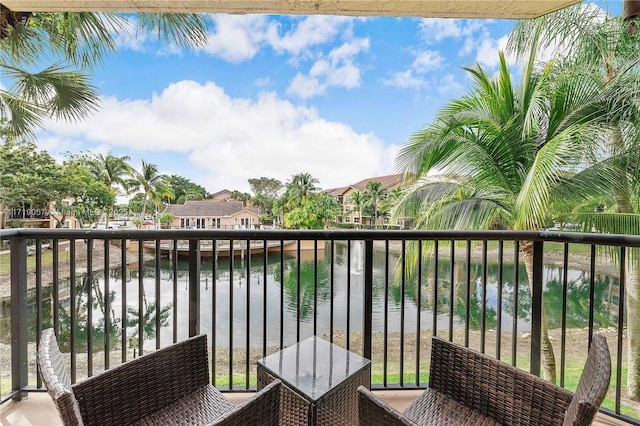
(231,267)
(174,268)
(483,308)
(123,320)
(248,316)
(467,302)
(621,314)
(141,297)
(89,281)
(516,286)
(592,291)
(565,291)
(368,299)
(214,308)
(436,260)
(419,309)
(499,298)
(265,251)
(158,292)
(385,350)
(72,307)
(348,337)
(452,285)
(107,305)
(38,304)
(402,304)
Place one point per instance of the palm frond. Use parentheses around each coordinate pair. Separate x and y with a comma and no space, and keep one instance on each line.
(177,29)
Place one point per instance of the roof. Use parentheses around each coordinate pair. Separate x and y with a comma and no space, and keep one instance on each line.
(335,192)
(512,9)
(388,182)
(207,208)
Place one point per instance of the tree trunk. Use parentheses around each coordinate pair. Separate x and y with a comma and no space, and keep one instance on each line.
(633,323)
(548,358)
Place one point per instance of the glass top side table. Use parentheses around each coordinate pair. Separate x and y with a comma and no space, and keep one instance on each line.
(321,381)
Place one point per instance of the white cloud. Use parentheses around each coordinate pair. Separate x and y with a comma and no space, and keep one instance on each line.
(415,76)
(236,38)
(337,69)
(406,80)
(229,140)
(488,51)
(309,31)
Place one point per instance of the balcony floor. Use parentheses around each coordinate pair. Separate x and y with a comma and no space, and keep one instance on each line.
(38,409)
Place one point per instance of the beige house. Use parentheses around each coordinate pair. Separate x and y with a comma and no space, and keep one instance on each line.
(350,212)
(209,214)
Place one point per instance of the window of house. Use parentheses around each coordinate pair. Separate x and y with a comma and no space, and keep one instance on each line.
(347,219)
(356,220)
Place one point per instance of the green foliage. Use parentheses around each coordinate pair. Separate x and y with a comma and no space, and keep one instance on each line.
(183,189)
(166,219)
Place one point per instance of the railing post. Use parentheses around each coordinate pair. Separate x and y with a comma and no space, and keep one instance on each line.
(194,287)
(19,362)
(536,307)
(368,298)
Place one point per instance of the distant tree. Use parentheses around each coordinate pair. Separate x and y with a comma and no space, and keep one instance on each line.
(298,189)
(153,185)
(374,193)
(113,172)
(241,196)
(268,186)
(183,189)
(166,219)
(358,200)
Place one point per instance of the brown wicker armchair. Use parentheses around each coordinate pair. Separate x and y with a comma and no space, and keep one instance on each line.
(467,387)
(168,386)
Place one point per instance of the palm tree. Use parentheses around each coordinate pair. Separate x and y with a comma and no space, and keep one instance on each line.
(604,47)
(358,200)
(498,156)
(300,187)
(76,41)
(374,193)
(153,185)
(113,172)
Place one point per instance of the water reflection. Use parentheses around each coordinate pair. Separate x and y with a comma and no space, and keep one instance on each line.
(228,302)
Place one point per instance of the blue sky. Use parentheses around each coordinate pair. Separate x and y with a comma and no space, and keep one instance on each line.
(278,95)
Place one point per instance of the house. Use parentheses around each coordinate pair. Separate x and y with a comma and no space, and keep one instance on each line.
(221,196)
(350,212)
(209,214)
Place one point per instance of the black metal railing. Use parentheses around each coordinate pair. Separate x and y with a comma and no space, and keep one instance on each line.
(116,294)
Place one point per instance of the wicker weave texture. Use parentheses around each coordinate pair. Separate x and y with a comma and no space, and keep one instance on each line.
(337,407)
(467,387)
(592,386)
(168,386)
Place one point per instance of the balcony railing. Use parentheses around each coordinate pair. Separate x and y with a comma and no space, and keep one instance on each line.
(116,294)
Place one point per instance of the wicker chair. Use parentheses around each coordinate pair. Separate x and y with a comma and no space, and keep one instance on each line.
(168,386)
(467,387)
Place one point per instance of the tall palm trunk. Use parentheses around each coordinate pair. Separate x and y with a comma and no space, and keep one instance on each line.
(548,358)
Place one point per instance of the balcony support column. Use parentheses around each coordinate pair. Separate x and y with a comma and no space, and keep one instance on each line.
(19,327)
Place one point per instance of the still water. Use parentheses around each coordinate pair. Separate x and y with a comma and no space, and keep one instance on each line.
(227,292)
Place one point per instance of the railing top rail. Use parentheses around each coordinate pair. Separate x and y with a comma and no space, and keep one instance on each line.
(245,234)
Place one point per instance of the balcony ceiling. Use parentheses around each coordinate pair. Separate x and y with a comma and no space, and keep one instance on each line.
(506,9)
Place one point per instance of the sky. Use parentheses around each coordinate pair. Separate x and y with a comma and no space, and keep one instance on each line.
(273,96)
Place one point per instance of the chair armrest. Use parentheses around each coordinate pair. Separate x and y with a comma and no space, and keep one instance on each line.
(263,408)
(141,386)
(372,411)
(494,388)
